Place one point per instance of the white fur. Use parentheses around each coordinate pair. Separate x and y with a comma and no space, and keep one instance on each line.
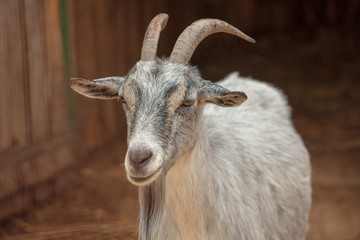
(248,176)
(215,172)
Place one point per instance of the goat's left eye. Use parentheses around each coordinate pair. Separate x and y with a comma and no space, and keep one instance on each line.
(188,103)
(122,99)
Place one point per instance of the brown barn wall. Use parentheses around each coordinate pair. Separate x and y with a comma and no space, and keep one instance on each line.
(35,135)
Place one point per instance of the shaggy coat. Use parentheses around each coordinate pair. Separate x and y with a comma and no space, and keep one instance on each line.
(213,172)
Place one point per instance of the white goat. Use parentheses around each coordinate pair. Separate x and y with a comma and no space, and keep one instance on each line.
(208,172)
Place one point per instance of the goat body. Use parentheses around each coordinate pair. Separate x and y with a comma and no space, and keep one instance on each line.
(247,177)
(206,171)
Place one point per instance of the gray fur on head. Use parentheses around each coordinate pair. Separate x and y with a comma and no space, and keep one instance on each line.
(206,171)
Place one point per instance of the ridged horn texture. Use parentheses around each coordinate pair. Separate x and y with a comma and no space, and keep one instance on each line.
(191,37)
(151,38)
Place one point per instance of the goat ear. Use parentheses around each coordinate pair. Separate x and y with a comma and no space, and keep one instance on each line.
(102,88)
(216,94)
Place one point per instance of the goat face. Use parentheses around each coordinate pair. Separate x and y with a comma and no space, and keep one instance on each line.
(162,102)
(162,99)
(161,113)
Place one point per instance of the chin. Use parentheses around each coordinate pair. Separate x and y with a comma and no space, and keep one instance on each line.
(142,181)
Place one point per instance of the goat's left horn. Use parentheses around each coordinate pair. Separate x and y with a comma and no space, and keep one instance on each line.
(151,38)
(195,33)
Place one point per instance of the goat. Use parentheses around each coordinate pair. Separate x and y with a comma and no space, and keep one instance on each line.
(208,172)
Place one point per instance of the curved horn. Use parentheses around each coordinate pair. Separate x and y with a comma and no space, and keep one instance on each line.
(151,38)
(195,33)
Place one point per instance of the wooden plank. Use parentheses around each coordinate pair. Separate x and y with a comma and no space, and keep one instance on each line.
(134,36)
(34,164)
(102,24)
(84,66)
(105,37)
(105,231)
(115,59)
(56,95)
(17,87)
(174,26)
(5,125)
(14,204)
(32,98)
(34,20)
(22,200)
(12,107)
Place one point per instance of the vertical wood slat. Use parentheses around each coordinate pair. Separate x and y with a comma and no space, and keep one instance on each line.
(83,42)
(55,77)
(19,116)
(106,16)
(85,66)
(35,139)
(34,18)
(99,36)
(5,128)
(13,118)
(46,74)
(134,37)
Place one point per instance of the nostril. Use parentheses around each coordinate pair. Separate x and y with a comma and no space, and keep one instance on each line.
(149,155)
(140,156)
(146,155)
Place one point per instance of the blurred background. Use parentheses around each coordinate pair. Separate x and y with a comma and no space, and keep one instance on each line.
(61,154)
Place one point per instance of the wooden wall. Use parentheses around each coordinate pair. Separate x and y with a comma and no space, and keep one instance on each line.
(35,134)
(261,16)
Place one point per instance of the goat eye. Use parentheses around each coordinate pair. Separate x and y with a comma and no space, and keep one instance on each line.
(188,103)
(122,99)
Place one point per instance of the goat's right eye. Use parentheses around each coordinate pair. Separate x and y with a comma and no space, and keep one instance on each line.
(188,103)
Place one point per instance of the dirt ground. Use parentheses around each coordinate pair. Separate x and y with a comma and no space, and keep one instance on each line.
(321,77)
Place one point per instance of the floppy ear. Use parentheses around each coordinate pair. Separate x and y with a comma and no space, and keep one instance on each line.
(101,88)
(216,94)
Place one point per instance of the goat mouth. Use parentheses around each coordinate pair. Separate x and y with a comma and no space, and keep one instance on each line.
(142,181)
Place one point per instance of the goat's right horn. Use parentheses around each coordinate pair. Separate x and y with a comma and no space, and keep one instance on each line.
(151,38)
(195,33)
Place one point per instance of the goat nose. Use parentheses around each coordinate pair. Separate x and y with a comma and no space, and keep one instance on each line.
(139,157)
